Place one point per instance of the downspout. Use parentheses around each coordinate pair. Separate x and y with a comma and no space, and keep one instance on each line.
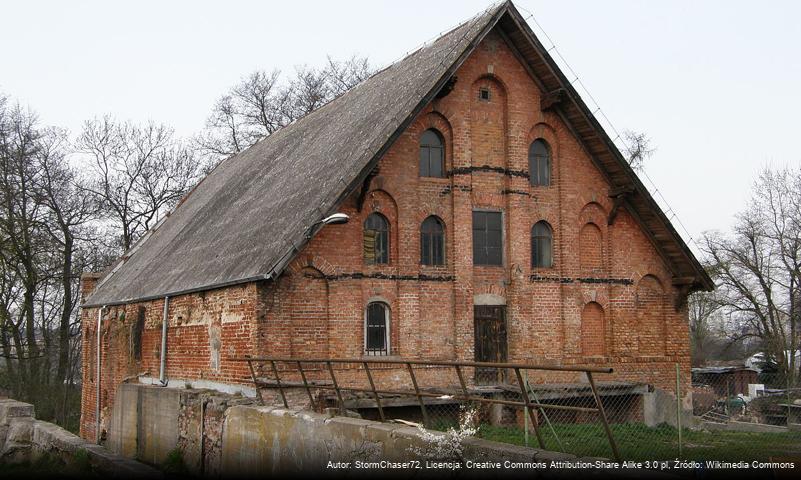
(97,375)
(163,367)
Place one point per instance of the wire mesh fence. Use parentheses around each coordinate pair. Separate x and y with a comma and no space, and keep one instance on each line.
(564,409)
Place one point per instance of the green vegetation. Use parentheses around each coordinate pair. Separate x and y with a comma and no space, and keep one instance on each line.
(49,466)
(639,442)
(174,463)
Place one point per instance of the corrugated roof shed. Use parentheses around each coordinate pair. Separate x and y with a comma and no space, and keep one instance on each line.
(247,218)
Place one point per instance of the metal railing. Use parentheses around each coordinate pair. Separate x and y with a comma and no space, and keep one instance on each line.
(462,393)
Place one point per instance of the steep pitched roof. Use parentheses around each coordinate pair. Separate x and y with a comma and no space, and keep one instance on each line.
(249,216)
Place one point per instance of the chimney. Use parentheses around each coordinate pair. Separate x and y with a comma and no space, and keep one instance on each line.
(88,283)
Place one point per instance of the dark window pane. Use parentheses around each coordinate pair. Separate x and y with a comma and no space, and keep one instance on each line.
(487,238)
(376,239)
(425,247)
(539,163)
(541,245)
(376,329)
(432,154)
(494,256)
(435,162)
(432,242)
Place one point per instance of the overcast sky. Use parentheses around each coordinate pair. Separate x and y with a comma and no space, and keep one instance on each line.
(714,84)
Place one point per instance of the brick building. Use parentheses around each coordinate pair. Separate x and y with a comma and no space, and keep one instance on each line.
(491,218)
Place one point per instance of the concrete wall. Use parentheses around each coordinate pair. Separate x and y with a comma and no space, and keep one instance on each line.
(23,438)
(148,422)
(233,438)
(262,440)
(659,406)
(144,422)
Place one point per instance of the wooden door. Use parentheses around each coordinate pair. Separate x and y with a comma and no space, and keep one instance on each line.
(490,341)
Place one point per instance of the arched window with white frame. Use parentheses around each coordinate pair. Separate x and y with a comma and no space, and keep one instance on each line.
(376,329)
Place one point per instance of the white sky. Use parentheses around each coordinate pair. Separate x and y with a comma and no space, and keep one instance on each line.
(714,84)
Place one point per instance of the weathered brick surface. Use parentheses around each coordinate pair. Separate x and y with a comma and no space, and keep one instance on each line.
(571,313)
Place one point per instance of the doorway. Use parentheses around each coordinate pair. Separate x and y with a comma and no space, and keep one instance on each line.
(490,342)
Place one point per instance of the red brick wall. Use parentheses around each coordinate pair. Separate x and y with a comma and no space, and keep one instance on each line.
(317,307)
(204,330)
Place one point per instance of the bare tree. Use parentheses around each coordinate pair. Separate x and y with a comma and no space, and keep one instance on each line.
(20,215)
(260,103)
(705,326)
(137,171)
(638,148)
(67,224)
(758,268)
(45,242)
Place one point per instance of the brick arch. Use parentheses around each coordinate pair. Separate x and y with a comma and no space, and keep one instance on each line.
(382,202)
(439,122)
(316,262)
(593,330)
(650,303)
(489,291)
(593,212)
(546,132)
(556,256)
(488,123)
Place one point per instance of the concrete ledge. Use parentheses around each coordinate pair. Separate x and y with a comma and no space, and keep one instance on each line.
(264,440)
(23,439)
(13,409)
(743,427)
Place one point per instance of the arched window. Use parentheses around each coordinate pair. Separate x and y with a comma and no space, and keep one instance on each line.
(376,239)
(376,329)
(432,154)
(539,163)
(432,242)
(541,245)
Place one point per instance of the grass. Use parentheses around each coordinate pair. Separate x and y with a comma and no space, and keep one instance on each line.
(638,442)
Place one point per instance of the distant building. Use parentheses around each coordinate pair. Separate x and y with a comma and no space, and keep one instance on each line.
(726,381)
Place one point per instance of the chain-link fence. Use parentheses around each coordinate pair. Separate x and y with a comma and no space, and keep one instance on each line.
(733,417)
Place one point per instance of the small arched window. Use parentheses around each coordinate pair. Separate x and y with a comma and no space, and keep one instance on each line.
(432,242)
(541,245)
(376,239)
(432,154)
(376,329)
(539,163)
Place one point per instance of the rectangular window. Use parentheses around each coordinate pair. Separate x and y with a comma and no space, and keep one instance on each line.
(487,238)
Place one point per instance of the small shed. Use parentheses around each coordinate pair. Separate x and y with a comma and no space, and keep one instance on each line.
(726,381)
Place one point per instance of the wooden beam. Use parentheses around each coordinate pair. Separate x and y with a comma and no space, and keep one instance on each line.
(552,99)
(365,188)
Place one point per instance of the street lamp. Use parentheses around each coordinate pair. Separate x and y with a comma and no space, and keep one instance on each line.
(334,219)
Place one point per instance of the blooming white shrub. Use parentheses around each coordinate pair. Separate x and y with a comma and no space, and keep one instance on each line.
(448,445)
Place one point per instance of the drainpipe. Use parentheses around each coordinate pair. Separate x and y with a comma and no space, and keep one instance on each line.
(163,367)
(97,375)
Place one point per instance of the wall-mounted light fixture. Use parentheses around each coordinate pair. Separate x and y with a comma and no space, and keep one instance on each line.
(334,219)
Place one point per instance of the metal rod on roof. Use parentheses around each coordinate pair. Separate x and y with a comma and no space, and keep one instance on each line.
(97,378)
(163,363)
